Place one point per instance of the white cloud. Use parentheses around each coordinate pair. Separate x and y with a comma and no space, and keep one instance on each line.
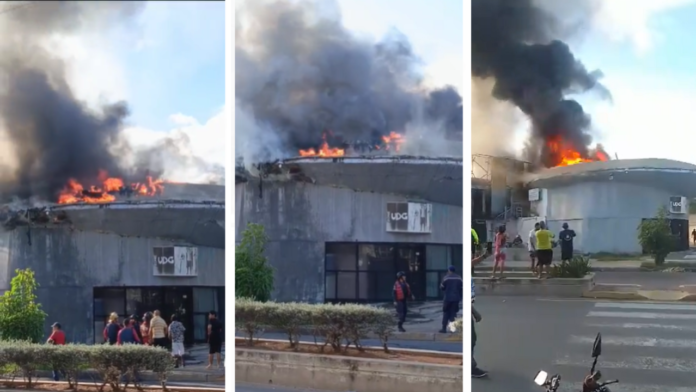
(634,20)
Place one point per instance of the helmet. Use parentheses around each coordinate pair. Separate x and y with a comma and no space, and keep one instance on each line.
(400,274)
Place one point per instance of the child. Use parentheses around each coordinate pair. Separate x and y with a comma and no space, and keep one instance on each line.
(500,248)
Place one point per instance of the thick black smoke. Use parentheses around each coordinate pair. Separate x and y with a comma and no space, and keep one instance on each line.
(300,73)
(515,43)
(49,136)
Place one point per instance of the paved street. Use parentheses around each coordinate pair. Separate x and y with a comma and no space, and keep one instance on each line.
(263,388)
(650,347)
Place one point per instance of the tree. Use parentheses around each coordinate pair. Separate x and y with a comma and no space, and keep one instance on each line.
(253,275)
(655,236)
(21,318)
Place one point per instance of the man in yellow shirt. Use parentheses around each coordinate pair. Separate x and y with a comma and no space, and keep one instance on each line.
(158,330)
(544,249)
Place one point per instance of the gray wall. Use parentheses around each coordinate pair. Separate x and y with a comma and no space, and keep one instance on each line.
(605,215)
(299,218)
(69,263)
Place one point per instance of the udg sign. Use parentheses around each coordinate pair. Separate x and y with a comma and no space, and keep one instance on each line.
(678,205)
(175,261)
(409,217)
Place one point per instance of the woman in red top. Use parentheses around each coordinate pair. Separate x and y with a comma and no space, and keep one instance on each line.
(145,328)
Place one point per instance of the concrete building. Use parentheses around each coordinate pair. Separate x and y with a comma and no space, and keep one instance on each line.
(340,228)
(604,202)
(130,256)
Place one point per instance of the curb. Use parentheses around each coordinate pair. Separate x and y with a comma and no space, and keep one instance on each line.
(180,376)
(592,269)
(145,387)
(397,336)
(640,295)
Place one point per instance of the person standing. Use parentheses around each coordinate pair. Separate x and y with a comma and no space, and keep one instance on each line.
(531,245)
(128,335)
(176,332)
(57,338)
(111,329)
(474,247)
(693,235)
(544,249)
(158,330)
(453,288)
(500,251)
(145,328)
(566,237)
(214,339)
(401,294)
(476,372)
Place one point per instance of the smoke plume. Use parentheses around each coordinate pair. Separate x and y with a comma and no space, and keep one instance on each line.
(301,74)
(516,47)
(48,135)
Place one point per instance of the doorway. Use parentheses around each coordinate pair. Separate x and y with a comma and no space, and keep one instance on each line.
(411,260)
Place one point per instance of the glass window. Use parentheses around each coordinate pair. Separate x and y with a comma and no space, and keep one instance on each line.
(438,257)
(345,284)
(200,327)
(204,300)
(457,257)
(107,301)
(432,284)
(364,285)
(99,326)
(340,257)
(134,300)
(375,257)
(330,285)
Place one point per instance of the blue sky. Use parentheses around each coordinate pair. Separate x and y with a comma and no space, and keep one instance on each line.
(643,47)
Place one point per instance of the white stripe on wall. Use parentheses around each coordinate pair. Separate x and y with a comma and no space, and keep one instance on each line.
(644,315)
(635,363)
(647,306)
(636,342)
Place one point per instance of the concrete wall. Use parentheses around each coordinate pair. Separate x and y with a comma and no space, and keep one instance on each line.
(69,263)
(299,218)
(605,215)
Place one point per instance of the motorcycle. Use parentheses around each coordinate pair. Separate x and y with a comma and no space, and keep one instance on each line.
(591,382)
(516,242)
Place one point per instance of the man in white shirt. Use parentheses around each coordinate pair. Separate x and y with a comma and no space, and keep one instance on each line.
(531,245)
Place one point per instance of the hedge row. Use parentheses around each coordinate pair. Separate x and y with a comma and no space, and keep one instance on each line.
(338,325)
(117,366)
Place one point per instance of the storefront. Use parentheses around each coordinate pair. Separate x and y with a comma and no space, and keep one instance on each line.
(365,272)
(192,304)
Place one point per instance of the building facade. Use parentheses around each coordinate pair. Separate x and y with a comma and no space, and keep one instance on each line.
(124,257)
(333,241)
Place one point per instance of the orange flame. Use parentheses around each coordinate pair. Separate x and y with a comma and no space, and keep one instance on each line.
(393,139)
(74,192)
(565,155)
(323,151)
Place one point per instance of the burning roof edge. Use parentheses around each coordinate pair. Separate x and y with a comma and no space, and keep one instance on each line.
(622,165)
(412,159)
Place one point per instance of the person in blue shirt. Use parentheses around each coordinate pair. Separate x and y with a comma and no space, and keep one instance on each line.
(476,372)
(453,288)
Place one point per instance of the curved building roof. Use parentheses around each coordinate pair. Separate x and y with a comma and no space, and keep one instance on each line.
(678,177)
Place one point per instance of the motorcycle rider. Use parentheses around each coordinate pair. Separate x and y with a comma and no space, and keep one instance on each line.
(401,293)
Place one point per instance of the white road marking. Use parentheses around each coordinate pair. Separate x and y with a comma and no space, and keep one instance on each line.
(644,315)
(628,305)
(667,327)
(635,363)
(636,341)
(621,387)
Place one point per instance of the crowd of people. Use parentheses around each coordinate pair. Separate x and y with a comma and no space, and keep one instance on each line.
(153,330)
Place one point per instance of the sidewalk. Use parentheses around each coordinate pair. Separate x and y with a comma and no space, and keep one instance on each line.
(595,265)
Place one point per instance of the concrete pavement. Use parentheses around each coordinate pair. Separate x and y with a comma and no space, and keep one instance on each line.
(650,347)
(265,388)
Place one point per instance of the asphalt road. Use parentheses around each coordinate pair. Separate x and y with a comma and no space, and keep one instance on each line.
(649,347)
(450,347)
(264,388)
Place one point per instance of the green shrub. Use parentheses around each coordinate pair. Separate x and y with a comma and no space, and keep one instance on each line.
(21,318)
(253,276)
(577,267)
(339,326)
(655,236)
(113,364)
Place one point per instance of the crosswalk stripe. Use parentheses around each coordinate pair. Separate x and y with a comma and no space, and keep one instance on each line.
(666,327)
(636,342)
(647,306)
(636,363)
(644,315)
